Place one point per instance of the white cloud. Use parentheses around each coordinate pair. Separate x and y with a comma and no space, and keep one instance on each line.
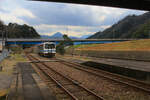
(45,29)
(105,26)
(14,15)
(11,18)
(22,12)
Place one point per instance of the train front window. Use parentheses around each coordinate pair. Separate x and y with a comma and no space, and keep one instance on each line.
(49,46)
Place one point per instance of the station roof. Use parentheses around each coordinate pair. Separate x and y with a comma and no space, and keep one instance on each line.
(130,4)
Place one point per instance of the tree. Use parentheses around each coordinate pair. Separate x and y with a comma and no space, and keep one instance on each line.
(1,27)
(143,31)
(61,46)
(21,31)
(67,40)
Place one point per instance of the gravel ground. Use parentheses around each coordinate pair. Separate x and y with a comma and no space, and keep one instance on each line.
(106,88)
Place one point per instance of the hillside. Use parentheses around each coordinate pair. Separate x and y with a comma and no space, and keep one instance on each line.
(127,28)
(135,45)
(144,29)
(136,49)
(56,35)
(14,30)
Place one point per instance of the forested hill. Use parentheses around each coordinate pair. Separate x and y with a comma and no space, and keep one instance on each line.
(131,26)
(14,30)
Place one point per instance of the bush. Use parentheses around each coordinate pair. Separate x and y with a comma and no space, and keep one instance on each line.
(60,49)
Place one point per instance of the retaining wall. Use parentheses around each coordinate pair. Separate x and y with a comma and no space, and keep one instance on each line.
(135,55)
(137,74)
(132,55)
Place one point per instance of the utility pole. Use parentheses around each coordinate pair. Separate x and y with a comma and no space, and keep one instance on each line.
(67,31)
(3,38)
(114,34)
(6,36)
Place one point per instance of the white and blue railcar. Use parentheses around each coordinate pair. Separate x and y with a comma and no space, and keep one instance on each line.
(47,49)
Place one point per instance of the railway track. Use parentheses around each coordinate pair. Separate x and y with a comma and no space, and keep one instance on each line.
(114,77)
(111,76)
(72,89)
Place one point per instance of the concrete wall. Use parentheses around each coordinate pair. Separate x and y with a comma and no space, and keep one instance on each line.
(140,55)
(135,55)
(137,74)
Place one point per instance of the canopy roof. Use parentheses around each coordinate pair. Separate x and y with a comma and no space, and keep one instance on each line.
(130,4)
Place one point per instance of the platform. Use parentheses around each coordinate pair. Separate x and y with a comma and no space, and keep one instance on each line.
(131,64)
(27,85)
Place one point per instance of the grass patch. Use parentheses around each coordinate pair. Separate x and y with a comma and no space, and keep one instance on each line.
(9,62)
(8,65)
(135,45)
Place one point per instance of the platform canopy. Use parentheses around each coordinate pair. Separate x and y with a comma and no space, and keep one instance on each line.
(130,4)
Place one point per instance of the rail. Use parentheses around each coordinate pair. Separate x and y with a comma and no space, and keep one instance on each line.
(45,70)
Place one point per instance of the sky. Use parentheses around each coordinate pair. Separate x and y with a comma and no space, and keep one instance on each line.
(71,19)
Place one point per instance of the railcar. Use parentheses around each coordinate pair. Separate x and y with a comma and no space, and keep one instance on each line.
(47,49)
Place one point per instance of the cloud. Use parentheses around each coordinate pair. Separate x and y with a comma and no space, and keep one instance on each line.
(45,29)
(77,15)
(15,16)
(20,12)
(11,18)
(14,13)
(49,17)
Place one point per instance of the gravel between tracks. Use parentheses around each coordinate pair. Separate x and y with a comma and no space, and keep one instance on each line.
(110,90)
(106,88)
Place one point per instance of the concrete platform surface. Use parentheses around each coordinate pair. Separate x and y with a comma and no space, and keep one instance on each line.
(130,68)
(5,81)
(27,85)
(130,64)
